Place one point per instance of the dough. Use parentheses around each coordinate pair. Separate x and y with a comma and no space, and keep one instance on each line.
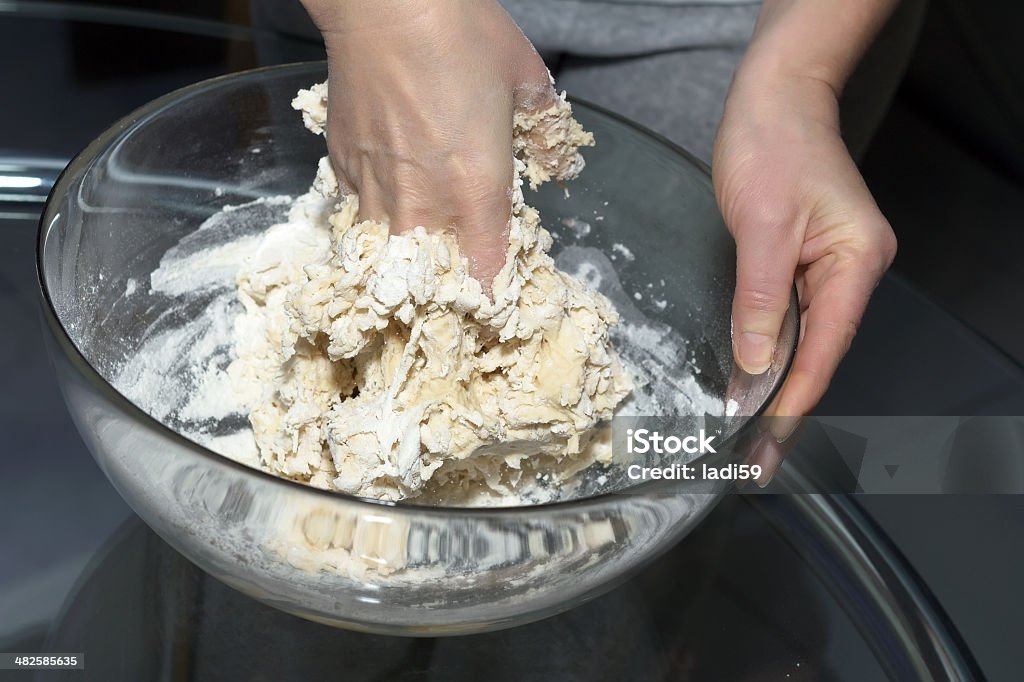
(382,369)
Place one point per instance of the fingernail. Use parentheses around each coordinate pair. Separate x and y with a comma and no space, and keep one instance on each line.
(755,352)
(767,475)
(768,455)
(783,427)
(770,459)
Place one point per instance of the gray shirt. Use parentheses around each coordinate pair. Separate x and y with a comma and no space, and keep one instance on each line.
(618,28)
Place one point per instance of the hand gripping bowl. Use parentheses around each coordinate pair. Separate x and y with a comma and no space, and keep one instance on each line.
(399,569)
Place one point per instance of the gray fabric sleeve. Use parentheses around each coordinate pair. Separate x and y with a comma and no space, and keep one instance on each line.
(666,65)
(679,94)
(602,28)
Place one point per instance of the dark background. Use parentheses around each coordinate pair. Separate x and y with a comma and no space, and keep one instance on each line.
(947,166)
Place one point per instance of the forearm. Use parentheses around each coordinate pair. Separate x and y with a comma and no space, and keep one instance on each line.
(812,40)
(339,17)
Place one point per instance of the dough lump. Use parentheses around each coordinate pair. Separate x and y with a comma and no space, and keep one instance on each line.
(381,369)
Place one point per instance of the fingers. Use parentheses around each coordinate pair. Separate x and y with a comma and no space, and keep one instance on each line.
(478,211)
(829,325)
(484,241)
(831,320)
(767,252)
(373,198)
(471,201)
(768,454)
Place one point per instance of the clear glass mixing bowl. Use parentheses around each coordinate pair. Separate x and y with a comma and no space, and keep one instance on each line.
(400,569)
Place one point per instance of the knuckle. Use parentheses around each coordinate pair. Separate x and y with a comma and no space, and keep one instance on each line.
(535,72)
(836,336)
(748,195)
(761,299)
(811,375)
(879,250)
(871,248)
(844,330)
(749,213)
(887,247)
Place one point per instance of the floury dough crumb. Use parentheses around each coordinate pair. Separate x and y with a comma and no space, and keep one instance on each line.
(580,228)
(624,251)
(377,367)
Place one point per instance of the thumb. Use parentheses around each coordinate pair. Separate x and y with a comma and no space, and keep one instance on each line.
(766,261)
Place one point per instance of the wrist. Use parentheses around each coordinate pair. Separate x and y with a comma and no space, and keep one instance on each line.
(803,41)
(772,93)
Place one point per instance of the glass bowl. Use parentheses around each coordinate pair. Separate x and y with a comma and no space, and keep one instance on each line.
(390,568)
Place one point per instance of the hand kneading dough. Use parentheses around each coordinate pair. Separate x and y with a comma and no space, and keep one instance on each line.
(385,372)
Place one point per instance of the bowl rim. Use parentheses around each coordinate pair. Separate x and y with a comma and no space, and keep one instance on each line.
(80,164)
